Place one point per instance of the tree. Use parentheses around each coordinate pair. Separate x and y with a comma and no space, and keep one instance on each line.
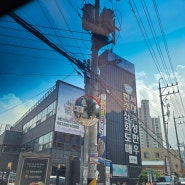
(143,177)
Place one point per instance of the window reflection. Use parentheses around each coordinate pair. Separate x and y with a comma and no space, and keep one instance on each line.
(39,118)
(67,141)
(42,143)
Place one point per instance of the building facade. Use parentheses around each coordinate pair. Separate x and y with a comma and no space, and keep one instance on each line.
(48,127)
(118,128)
(153,156)
(150,128)
(158,142)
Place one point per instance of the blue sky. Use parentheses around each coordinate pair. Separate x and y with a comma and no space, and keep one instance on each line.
(28,67)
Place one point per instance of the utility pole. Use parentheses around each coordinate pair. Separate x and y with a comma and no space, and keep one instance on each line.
(161,94)
(100,34)
(178,144)
(94,92)
(101,26)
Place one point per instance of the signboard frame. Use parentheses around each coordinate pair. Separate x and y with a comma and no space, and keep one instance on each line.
(44,161)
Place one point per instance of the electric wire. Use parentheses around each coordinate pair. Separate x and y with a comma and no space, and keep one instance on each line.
(37,41)
(156,41)
(32,56)
(155,36)
(146,38)
(36,48)
(147,130)
(47,34)
(57,5)
(34,74)
(32,97)
(47,27)
(167,51)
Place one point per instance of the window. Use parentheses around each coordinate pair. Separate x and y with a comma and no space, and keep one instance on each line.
(146,155)
(39,118)
(157,155)
(68,138)
(43,142)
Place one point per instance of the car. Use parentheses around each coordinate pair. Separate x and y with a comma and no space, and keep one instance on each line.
(53,180)
(168,180)
(164,180)
(182,180)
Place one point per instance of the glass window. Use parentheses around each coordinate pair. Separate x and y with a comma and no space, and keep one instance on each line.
(43,142)
(42,116)
(38,119)
(67,138)
(157,155)
(44,112)
(47,138)
(50,108)
(146,155)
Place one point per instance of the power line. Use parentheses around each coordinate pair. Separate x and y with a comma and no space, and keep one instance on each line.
(34,74)
(119,102)
(48,34)
(145,35)
(47,27)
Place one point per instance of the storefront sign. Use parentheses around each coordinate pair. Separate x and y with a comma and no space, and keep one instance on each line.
(33,169)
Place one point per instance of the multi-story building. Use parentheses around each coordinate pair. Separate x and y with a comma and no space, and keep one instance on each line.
(153,153)
(158,142)
(155,158)
(118,128)
(50,127)
(150,128)
(146,139)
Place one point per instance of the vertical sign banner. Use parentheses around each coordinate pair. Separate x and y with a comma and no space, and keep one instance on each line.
(102,128)
(65,118)
(131,128)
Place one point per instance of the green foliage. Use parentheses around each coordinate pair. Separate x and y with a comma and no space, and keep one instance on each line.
(143,178)
(91,107)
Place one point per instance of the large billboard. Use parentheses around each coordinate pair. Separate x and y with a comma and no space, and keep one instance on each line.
(117,80)
(65,119)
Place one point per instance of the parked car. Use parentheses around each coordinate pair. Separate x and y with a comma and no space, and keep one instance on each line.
(53,180)
(164,180)
(182,180)
(168,180)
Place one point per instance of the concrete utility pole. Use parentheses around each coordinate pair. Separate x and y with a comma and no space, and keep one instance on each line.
(101,26)
(169,168)
(94,92)
(178,144)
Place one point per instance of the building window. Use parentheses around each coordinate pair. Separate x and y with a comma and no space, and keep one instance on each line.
(67,141)
(157,155)
(43,142)
(146,155)
(40,117)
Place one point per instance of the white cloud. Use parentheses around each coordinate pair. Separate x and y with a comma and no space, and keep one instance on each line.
(12,109)
(141,74)
(151,93)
